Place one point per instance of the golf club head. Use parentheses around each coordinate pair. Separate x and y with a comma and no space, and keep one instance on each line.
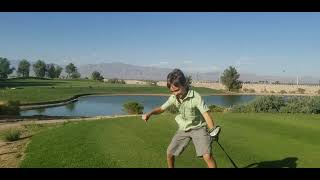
(215,133)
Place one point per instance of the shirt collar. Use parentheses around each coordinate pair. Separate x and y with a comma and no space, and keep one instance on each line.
(189,94)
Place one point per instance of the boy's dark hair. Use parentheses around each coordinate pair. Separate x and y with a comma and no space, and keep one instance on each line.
(177,78)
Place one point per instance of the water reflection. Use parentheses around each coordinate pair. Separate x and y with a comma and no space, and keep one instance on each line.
(40,111)
(71,106)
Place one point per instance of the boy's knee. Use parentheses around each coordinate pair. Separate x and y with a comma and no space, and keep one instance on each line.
(207,157)
(169,156)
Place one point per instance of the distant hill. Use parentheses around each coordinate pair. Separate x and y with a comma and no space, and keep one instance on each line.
(128,71)
(124,71)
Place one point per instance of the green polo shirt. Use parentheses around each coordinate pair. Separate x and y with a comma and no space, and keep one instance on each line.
(190,110)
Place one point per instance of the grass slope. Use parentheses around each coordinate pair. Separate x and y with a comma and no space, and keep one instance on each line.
(251,140)
(37,91)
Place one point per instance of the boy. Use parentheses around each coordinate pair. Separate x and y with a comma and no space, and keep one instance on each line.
(192,120)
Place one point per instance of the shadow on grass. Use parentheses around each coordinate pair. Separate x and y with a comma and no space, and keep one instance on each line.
(289,162)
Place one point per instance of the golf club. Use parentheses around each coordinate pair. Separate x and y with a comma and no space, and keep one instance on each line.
(216,138)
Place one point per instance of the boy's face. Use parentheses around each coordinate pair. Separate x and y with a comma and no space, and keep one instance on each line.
(179,92)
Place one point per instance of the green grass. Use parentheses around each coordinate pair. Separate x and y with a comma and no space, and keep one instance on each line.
(40,91)
(265,140)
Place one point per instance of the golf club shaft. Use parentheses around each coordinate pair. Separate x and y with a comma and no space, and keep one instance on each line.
(234,164)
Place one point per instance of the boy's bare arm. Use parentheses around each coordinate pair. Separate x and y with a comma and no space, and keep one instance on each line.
(157,110)
(208,119)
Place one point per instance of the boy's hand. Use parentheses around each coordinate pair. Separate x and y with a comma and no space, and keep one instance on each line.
(145,117)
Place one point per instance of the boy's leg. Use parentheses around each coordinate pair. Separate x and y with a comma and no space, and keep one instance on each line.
(170,160)
(209,160)
(178,143)
(202,142)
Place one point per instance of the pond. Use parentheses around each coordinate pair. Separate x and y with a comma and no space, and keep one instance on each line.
(112,105)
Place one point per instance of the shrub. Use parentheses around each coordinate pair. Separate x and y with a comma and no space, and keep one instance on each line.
(133,107)
(261,104)
(310,105)
(252,91)
(241,108)
(283,92)
(245,90)
(313,105)
(122,81)
(235,90)
(116,81)
(10,108)
(12,135)
(173,109)
(293,105)
(301,91)
(214,108)
(268,104)
(264,90)
(292,92)
(318,91)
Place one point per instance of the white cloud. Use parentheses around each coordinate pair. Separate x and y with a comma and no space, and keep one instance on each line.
(163,63)
(187,62)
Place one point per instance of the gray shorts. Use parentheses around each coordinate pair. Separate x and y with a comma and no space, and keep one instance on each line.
(200,138)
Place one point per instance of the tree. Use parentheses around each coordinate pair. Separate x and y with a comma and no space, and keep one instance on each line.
(97,76)
(51,71)
(23,68)
(230,78)
(70,69)
(58,71)
(5,69)
(75,75)
(39,69)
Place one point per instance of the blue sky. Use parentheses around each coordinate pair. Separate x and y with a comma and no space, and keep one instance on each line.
(282,44)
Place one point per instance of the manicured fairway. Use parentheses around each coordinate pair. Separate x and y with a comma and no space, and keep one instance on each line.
(251,140)
(41,91)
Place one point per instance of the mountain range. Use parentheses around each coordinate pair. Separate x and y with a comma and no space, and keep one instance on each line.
(128,71)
